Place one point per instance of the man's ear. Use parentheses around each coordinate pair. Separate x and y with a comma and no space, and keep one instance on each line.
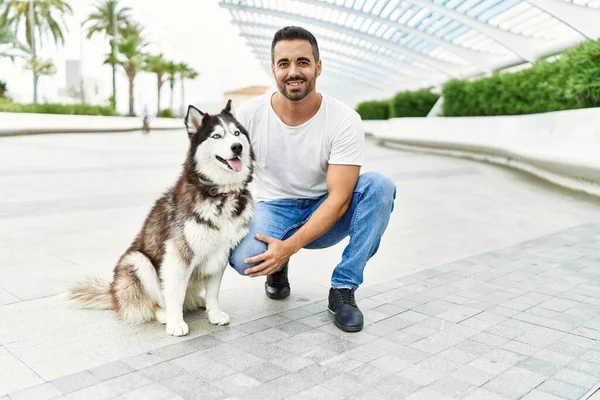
(193,120)
(227,108)
(319,67)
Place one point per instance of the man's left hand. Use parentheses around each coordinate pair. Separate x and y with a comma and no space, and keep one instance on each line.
(277,254)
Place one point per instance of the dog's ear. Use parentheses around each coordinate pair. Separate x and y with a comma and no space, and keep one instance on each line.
(227,108)
(193,120)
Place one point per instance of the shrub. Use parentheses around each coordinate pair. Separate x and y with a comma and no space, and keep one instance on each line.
(52,108)
(166,113)
(3,88)
(378,109)
(568,83)
(412,103)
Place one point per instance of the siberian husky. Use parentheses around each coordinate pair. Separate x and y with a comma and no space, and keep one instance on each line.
(177,260)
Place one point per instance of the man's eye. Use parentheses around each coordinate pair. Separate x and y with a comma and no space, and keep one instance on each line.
(216,136)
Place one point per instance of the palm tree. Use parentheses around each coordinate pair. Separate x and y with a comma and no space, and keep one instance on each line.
(185,72)
(156,64)
(132,60)
(40,67)
(171,69)
(109,19)
(9,45)
(42,17)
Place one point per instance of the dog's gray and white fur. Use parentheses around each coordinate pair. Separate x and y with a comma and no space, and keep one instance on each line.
(177,260)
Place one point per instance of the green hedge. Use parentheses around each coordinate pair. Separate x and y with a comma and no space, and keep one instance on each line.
(166,113)
(412,103)
(50,108)
(568,83)
(572,81)
(403,104)
(379,109)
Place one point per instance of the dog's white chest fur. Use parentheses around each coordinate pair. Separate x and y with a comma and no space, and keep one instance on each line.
(215,234)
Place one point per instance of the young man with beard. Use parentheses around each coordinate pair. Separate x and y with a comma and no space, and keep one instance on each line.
(310,193)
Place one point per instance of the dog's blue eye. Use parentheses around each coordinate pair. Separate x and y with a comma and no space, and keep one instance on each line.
(216,136)
(236,133)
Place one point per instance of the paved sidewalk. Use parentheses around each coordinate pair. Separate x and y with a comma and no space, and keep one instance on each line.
(486,286)
(519,322)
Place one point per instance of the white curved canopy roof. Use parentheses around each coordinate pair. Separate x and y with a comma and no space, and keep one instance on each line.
(372,49)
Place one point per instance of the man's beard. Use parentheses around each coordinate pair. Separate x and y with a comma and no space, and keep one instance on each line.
(296,95)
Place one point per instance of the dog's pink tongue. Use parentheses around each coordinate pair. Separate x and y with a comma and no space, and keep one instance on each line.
(236,164)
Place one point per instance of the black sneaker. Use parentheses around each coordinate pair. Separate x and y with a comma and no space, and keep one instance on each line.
(277,286)
(347,315)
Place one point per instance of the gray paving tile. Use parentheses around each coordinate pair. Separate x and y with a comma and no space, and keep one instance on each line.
(562,389)
(235,358)
(72,383)
(530,378)
(458,313)
(472,346)
(265,372)
(341,363)
(316,393)
(576,378)
(505,356)
(319,319)
(40,392)
(471,375)
(458,356)
(227,335)
(487,365)
(391,388)
(154,391)
(437,342)
(586,367)
(554,357)
(592,356)
(294,327)
(143,360)
(508,388)
(539,395)
(163,371)
(111,370)
(127,382)
(539,366)
(483,320)
(483,394)
(520,347)
(489,338)
(455,388)
(236,383)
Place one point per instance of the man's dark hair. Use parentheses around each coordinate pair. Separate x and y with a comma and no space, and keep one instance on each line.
(294,33)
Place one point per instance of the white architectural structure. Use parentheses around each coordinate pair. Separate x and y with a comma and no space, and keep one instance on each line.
(375,48)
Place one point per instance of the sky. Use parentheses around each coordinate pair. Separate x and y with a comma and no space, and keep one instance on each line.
(197,32)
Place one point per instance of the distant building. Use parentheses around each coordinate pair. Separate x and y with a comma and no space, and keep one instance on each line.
(238,96)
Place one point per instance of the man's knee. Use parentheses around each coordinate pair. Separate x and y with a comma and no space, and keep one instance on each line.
(249,247)
(378,185)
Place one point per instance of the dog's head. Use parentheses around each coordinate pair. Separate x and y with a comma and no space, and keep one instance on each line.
(220,147)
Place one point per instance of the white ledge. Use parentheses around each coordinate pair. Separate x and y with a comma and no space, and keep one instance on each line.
(562,147)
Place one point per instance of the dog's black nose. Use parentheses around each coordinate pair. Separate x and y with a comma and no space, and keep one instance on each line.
(236,148)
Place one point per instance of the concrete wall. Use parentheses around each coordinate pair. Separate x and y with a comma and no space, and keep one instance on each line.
(26,124)
(562,147)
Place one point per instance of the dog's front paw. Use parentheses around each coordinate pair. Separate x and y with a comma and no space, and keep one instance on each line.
(177,328)
(218,318)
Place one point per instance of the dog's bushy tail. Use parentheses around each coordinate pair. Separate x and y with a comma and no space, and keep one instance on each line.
(91,293)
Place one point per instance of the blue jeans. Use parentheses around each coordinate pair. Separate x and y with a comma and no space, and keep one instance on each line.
(365,221)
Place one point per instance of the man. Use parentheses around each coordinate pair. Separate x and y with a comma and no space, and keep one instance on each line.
(310,194)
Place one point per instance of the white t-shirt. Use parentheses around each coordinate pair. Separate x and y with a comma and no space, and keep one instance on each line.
(292,160)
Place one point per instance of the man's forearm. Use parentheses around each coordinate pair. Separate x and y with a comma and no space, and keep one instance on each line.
(323,219)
